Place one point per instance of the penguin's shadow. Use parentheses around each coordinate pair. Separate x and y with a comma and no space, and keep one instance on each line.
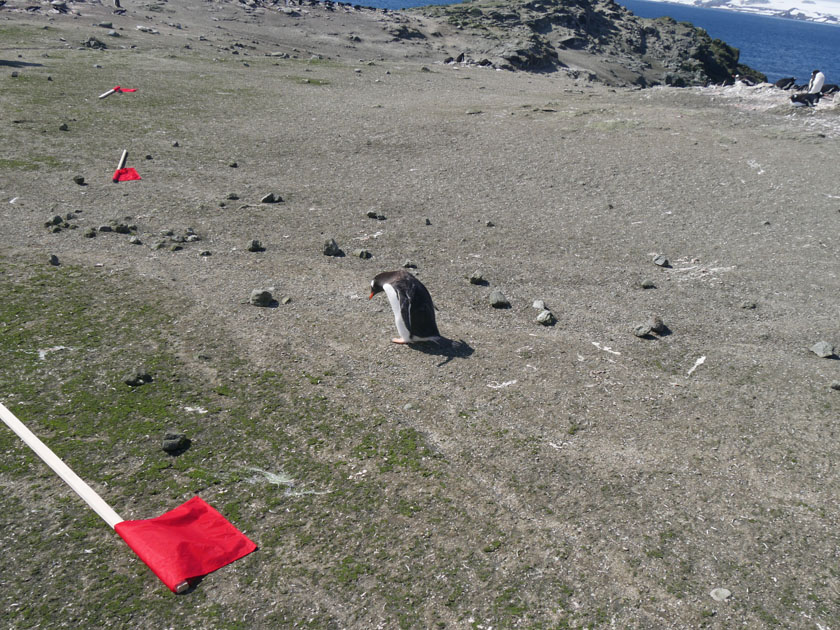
(444,347)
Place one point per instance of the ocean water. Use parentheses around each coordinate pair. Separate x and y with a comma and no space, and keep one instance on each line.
(775,46)
(778,47)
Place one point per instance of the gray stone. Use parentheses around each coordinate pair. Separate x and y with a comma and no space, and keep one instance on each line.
(656,325)
(362,253)
(56,220)
(271,198)
(539,305)
(261,297)
(546,318)
(748,305)
(823,349)
(90,232)
(661,261)
(835,385)
(331,248)
(106,228)
(79,180)
(720,594)
(285,299)
(175,442)
(498,299)
(477,278)
(409,265)
(205,252)
(138,378)
(176,144)
(647,284)
(255,246)
(135,240)
(642,331)
(63,127)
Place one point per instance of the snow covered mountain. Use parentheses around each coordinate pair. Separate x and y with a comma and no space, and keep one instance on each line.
(826,11)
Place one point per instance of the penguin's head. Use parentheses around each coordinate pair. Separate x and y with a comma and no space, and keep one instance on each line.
(375,287)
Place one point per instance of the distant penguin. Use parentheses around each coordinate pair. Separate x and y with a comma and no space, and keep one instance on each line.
(804,100)
(829,88)
(785,84)
(414,311)
(816,83)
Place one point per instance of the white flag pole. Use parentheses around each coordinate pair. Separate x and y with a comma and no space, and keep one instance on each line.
(60,468)
(123,158)
(108,93)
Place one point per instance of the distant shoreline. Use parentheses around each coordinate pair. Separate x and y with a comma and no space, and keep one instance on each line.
(782,14)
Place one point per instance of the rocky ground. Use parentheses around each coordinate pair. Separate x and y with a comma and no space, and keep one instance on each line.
(522,475)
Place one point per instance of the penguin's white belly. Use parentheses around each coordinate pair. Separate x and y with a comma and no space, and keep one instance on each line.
(394,300)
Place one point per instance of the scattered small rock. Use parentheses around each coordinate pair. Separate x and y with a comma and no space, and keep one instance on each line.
(642,331)
(78,179)
(138,378)
(261,297)
(409,265)
(428,222)
(835,385)
(748,305)
(477,278)
(331,248)
(546,318)
(232,196)
(823,349)
(498,299)
(661,261)
(175,443)
(175,143)
(285,299)
(255,246)
(271,198)
(362,253)
(233,165)
(720,594)
(135,240)
(539,305)
(54,260)
(373,215)
(647,284)
(205,252)
(63,127)
(490,224)
(90,232)
(657,326)
(106,228)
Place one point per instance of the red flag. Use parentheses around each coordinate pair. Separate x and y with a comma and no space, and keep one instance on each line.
(117,88)
(126,175)
(185,543)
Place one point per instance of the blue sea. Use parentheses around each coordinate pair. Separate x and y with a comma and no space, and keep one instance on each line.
(777,47)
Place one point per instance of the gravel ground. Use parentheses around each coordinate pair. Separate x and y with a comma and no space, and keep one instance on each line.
(626,477)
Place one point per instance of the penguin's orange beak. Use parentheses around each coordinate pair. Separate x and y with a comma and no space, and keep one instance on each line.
(371,295)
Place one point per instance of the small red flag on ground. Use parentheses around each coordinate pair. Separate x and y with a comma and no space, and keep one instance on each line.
(185,543)
(179,546)
(116,88)
(125,175)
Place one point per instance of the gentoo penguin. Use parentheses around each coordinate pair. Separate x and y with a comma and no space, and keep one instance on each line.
(414,311)
(816,83)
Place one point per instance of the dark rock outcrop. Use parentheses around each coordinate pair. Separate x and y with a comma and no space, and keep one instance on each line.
(592,37)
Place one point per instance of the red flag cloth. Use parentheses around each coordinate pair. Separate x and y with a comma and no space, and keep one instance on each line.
(125,175)
(185,543)
(117,88)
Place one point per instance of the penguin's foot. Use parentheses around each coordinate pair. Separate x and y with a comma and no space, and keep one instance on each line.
(399,340)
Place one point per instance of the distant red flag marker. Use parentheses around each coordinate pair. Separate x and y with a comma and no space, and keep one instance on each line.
(125,175)
(116,88)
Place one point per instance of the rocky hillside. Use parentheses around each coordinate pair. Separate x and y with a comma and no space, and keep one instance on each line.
(598,37)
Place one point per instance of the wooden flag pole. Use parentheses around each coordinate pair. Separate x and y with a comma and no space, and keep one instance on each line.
(87,493)
(123,159)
